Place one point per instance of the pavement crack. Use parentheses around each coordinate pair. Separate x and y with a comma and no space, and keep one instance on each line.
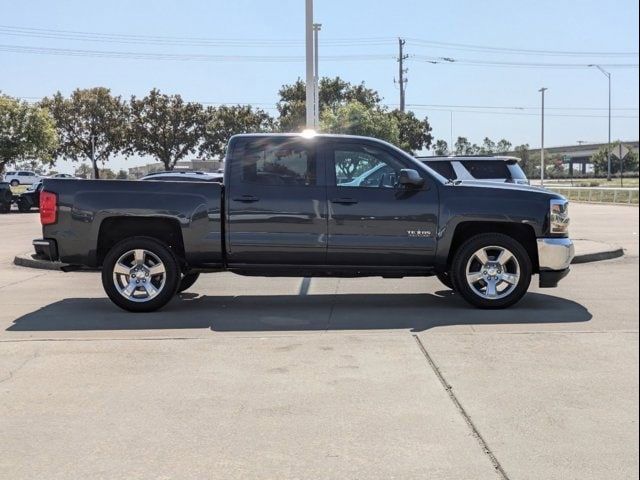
(18,368)
(22,281)
(474,430)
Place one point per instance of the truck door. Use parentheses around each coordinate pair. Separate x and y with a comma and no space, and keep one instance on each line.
(276,202)
(375,221)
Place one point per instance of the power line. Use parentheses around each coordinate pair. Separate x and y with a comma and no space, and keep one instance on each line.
(497,63)
(278,58)
(185,57)
(124,38)
(516,107)
(180,41)
(519,51)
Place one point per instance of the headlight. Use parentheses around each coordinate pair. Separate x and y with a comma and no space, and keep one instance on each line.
(559,217)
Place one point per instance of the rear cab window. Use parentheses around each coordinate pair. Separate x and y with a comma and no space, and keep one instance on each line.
(275,161)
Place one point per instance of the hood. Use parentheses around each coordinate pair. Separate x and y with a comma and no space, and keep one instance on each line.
(504,187)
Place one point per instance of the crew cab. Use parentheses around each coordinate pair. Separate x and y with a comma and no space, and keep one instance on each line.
(287,207)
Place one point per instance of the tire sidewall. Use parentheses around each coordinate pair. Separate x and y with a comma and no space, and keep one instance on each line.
(472,245)
(158,248)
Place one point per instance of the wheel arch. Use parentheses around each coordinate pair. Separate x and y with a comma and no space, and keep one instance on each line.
(115,229)
(521,232)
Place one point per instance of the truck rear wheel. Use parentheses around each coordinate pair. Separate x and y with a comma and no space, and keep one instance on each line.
(491,270)
(187,281)
(140,274)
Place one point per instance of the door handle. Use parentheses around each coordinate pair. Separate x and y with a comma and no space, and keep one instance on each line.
(345,201)
(246,199)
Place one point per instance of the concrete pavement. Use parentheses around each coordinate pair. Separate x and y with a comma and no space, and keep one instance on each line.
(254,378)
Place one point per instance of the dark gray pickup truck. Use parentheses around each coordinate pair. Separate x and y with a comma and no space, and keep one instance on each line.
(288,206)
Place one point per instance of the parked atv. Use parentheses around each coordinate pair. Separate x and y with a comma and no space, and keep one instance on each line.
(30,198)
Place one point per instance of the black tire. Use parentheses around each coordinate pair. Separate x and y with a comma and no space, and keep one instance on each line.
(155,248)
(24,205)
(14,183)
(187,281)
(445,279)
(464,255)
(5,207)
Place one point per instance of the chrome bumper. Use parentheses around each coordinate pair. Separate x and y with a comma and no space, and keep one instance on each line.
(555,253)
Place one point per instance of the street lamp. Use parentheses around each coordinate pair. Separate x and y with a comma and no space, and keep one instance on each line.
(309,63)
(608,75)
(316,78)
(542,90)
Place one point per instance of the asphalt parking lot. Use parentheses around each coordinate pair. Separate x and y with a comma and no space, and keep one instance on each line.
(322,379)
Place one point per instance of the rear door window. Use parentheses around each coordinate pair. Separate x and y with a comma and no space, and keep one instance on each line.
(487,169)
(443,168)
(276,161)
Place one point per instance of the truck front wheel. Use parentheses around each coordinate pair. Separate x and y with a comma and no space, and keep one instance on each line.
(491,270)
(140,274)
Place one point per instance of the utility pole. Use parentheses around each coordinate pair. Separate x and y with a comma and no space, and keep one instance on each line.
(316,78)
(309,63)
(542,90)
(608,75)
(93,155)
(401,71)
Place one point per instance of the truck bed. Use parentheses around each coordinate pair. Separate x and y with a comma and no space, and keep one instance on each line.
(88,208)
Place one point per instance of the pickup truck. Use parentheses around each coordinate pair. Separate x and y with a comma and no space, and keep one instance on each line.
(288,207)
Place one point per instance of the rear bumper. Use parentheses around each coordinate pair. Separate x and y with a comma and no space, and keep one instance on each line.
(555,256)
(46,249)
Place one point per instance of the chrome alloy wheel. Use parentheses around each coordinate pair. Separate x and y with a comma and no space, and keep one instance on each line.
(493,272)
(139,275)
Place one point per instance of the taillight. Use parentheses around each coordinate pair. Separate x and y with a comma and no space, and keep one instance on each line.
(48,208)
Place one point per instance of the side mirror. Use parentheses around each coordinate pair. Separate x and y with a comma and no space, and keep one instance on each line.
(409,177)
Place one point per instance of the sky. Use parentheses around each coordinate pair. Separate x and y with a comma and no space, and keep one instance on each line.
(475,96)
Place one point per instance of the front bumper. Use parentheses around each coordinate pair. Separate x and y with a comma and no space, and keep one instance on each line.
(46,249)
(554,257)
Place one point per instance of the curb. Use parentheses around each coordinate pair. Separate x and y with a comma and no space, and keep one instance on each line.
(27,260)
(615,252)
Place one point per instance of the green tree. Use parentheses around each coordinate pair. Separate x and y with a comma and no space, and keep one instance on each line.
(91,125)
(503,146)
(441,147)
(27,132)
(355,118)
(122,175)
(414,134)
(222,123)
(107,174)
(83,171)
(527,163)
(488,146)
(164,126)
(464,147)
(333,93)
(600,161)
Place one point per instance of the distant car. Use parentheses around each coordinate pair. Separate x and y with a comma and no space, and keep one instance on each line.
(30,198)
(5,197)
(22,177)
(486,168)
(182,176)
(64,175)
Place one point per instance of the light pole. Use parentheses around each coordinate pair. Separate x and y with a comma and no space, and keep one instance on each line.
(316,78)
(309,62)
(608,75)
(542,90)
